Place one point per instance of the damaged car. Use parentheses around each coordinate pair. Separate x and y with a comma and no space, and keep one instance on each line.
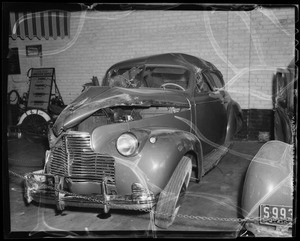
(136,141)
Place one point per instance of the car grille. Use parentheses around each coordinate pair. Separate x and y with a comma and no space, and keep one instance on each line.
(75,158)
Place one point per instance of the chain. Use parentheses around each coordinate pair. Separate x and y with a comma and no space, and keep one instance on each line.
(184,216)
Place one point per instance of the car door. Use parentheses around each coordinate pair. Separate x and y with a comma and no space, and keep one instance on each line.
(210,115)
(283,92)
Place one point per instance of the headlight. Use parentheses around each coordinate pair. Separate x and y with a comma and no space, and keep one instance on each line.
(127,144)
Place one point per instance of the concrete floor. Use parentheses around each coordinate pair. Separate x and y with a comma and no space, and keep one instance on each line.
(217,196)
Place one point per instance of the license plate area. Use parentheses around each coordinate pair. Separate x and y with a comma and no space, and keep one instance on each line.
(276,215)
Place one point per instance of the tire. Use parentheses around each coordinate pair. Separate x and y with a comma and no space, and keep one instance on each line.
(34,128)
(196,175)
(171,197)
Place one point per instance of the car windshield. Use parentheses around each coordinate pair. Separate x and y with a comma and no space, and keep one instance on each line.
(149,77)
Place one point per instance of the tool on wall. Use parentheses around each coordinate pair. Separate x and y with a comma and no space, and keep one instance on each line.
(284,105)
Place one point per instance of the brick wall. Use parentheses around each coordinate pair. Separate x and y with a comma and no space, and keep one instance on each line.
(246,46)
(256,121)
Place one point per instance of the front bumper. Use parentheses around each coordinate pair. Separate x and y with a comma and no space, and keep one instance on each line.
(260,230)
(49,189)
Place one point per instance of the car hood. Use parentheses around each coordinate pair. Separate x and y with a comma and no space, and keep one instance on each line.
(96,98)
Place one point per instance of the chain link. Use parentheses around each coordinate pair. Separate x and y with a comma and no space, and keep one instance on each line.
(184,216)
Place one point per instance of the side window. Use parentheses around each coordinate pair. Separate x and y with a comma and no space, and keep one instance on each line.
(202,83)
(217,82)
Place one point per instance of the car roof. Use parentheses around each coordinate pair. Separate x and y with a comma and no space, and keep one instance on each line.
(171,59)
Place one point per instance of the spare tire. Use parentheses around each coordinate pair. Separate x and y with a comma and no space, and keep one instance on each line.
(34,128)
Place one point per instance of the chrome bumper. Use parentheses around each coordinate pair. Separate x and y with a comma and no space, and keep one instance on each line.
(260,230)
(49,189)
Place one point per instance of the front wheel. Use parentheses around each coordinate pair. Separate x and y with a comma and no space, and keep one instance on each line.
(171,197)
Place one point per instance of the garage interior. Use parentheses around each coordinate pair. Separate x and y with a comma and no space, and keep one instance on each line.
(248,44)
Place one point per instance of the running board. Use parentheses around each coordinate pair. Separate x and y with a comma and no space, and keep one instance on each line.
(212,159)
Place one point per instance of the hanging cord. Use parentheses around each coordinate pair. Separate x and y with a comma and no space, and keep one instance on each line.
(227,48)
(249,77)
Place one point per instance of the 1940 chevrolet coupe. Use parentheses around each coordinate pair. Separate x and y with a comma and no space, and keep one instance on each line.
(135,142)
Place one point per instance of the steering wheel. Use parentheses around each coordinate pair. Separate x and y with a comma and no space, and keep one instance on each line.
(178,86)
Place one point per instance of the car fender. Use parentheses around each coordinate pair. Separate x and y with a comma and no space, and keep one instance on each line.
(234,120)
(34,112)
(269,178)
(159,159)
(155,162)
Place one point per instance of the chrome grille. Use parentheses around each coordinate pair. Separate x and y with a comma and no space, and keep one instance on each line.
(75,158)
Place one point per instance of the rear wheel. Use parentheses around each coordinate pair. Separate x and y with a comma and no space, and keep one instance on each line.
(171,197)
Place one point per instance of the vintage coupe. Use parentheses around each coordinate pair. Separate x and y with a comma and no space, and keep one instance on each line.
(136,141)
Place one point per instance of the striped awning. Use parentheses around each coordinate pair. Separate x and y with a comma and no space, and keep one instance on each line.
(47,24)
